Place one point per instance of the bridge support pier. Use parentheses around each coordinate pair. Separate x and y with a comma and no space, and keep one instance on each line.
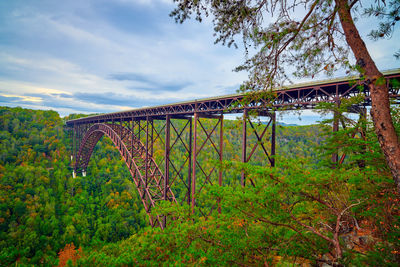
(244,145)
(167,161)
(260,140)
(190,154)
(197,139)
(200,175)
(194,160)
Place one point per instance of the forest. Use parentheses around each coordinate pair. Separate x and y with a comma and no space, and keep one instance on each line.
(306,211)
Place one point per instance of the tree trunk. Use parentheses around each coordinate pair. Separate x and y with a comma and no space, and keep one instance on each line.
(380,110)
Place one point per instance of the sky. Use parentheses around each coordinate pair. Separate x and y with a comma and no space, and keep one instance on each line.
(99,56)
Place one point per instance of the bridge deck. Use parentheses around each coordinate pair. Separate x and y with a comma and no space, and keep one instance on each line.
(298,96)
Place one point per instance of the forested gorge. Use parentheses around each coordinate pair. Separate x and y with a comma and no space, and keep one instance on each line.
(303,211)
(42,208)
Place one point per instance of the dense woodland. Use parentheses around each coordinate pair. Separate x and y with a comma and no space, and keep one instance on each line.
(306,210)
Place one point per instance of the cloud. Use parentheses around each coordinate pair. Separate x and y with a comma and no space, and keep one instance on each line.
(130,77)
(114,99)
(87,102)
(144,2)
(109,55)
(149,83)
(8,99)
(18,98)
(66,103)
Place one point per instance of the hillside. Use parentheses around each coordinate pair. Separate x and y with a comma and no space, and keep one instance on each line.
(290,215)
(42,208)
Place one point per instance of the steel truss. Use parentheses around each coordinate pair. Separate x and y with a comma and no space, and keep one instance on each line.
(294,98)
(260,143)
(202,172)
(149,180)
(155,141)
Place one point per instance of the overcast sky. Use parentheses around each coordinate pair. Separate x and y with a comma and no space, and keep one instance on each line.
(96,56)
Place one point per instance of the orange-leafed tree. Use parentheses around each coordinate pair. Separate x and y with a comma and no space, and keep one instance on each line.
(69,252)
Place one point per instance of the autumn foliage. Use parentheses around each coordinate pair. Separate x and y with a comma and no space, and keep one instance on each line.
(68,253)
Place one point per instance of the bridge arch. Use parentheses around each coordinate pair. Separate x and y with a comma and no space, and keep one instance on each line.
(146,175)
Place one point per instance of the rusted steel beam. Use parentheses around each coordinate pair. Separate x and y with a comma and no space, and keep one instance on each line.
(131,135)
(152,137)
(167,161)
(189,181)
(74,145)
(147,150)
(205,174)
(139,129)
(260,140)
(167,154)
(221,151)
(296,97)
(194,161)
(122,139)
(221,147)
(273,140)
(209,116)
(158,132)
(176,173)
(244,145)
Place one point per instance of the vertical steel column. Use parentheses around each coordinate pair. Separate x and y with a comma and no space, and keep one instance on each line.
(167,150)
(194,158)
(132,133)
(74,144)
(80,136)
(139,130)
(221,146)
(120,127)
(244,144)
(152,138)
(74,152)
(78,145)
(147,150)
(273,139)
(190,163)
(77,138)
(221,149)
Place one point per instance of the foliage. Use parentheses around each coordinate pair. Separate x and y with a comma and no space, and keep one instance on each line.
(68,253)
(42,208)
(285,39)
(278,42)
(281,220)
(389,14)
(300,212)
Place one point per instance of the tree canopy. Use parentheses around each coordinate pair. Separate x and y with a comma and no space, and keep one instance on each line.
(285,39)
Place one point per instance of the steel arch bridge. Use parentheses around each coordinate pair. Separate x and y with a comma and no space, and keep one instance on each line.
(140,134)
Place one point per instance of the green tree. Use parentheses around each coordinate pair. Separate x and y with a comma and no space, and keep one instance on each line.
(305,38)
